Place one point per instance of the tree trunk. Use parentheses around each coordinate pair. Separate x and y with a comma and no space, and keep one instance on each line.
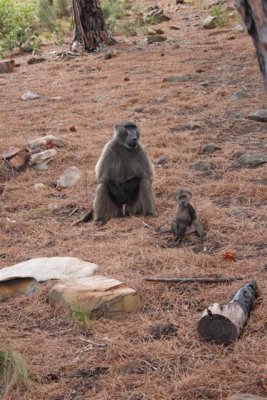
(222,323)
(90,30)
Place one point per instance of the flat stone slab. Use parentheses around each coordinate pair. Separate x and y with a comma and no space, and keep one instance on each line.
(97,296)
(46,268)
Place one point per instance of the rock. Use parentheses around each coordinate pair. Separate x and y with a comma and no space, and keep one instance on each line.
(259,116)
(44,157)
(10,152)
(205,83)
(253,159)
(158,331)
(264,268)
(56,98)
(20,161)
(155,16)
(17,286)
(36,60)
(203,166)
(45,143)
(73,128)
(40,166)
(240,94)
(161,160)
(210,148)
(239,28)
(69,177)
(210,22)
(46,268)
(30,96)
(246,396)
(156,31)
(96,297)
(156,39)
(39,186)
(7,66)
(192,126)
(174,28)
(176,78)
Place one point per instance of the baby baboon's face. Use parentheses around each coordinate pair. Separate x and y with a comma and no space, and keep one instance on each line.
(183,197)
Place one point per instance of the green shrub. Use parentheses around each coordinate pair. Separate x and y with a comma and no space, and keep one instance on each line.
(18,24)
(50,11)
(113,10)
(220,13)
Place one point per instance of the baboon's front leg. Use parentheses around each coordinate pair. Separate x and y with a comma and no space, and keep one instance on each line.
(104,207)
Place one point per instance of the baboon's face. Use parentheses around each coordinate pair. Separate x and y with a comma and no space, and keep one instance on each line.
(183,198)
(128,135)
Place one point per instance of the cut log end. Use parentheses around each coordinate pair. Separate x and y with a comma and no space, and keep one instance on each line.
(217,328)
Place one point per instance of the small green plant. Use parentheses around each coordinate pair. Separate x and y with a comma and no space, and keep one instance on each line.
(113,10)
(220,14)
(80,316)
(18,24)
(49,12)
(13,370)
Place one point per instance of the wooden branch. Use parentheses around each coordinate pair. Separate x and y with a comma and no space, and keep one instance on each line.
(222,323)
(219,279)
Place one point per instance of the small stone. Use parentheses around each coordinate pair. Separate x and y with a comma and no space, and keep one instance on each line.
(239,28)
(17,286)
(203,166)
(159,331)
(161,160)
(30,96)
(138,109)
(192,126)
(156,39)
(177,78)
(174,28)
(39,186)
(205,83)
(240,94)
(70,177)
(40,167)
(36,60)
(210,22)
(96,297)
(56,98)
(264,268)
(259,116)
(45,143)
(210,148)
(10,152)
(126,79)
(20,161)
(72,128)
(43,157)
(253,159)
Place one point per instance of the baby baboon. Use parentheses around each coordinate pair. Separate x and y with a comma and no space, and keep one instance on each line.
(124,176)
(185,215)
(7,66)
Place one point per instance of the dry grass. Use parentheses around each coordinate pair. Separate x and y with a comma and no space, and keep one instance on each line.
(230,200)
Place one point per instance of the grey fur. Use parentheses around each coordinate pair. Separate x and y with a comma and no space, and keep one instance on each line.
(123,158)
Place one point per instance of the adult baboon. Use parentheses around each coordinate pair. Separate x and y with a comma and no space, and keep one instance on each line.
(124,176)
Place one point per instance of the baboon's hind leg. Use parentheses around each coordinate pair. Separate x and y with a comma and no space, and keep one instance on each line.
(104,207)
(145,201)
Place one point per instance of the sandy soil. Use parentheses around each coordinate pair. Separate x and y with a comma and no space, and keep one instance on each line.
(230,199)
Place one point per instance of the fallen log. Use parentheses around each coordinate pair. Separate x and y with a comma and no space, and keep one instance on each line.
(219,279)
(222,323)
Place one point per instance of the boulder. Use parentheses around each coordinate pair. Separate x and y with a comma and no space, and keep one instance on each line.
(97,296)
(46,268)
(17,286)
(45,143)
(70,177)
(210,22)
(259,116)
(253,159)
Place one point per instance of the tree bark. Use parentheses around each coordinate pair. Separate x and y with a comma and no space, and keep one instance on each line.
(222,323)
(90,30)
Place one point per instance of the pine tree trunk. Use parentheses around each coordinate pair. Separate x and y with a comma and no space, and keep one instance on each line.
(90,29)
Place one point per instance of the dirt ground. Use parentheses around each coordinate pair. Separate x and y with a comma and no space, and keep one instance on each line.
(231,201)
